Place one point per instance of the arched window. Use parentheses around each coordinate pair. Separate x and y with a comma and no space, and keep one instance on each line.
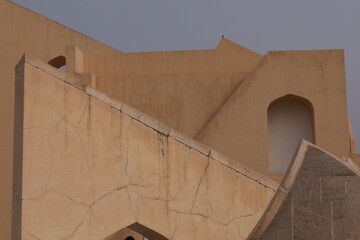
(290,119)
(58,62)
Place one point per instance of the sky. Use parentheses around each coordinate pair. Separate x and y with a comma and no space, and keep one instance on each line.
(260,25)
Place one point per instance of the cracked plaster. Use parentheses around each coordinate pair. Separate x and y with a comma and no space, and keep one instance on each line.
(90,170)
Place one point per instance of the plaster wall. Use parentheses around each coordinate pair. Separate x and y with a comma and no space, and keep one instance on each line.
(218,96)
(217,71)
(226,58)
(183,89)
(24,31)
(183,101)
(92,166)
(317,76)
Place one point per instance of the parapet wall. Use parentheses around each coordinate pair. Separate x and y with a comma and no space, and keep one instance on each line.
(23,31)
(92,166)
(183,89)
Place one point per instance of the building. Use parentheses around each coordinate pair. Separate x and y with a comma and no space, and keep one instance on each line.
(207,144)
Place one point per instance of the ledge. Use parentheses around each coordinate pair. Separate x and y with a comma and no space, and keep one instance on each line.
(152,123)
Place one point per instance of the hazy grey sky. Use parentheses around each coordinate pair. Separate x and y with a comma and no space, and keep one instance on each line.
(260,25)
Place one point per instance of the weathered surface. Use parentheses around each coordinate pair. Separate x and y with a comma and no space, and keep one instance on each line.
(323,201)
(183,89)
(316,76)
(219,97)
(90,170)
(23,31)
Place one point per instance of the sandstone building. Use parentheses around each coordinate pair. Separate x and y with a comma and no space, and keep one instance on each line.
(208,144)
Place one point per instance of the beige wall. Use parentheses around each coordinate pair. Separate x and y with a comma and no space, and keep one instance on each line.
(183,101)
(24,31)
(227,57)
(92,168)
(183,89)
(189,99)
(219,96)
(240,128)
(226,107)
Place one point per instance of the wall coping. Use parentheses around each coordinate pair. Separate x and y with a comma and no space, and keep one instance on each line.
(151,122)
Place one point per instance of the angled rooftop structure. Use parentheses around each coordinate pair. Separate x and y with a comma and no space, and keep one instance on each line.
(317,199)
(206,144)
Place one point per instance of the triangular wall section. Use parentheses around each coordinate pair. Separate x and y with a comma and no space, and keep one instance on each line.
(318,199)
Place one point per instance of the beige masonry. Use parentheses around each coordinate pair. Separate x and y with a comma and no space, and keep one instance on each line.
(316,76)
(167,145)
(172,90)
(23,31)
(90,169)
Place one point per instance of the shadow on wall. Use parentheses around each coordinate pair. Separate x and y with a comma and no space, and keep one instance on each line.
(290,119)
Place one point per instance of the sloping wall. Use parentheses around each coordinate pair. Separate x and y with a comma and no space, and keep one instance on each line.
(319,200)
(92,166)
(24,31)
(183,101)
(183,89)
(317,76)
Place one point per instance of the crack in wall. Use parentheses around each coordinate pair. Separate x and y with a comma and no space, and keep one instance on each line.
(200,182)
(233,221)
(98,220)
(127,151)
(77,227)
(30,234)
(162,176)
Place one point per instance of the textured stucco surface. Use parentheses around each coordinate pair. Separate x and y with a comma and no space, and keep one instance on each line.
(317,76)
(185,102)
(23,31)
(92,166)
(221,97)
(84,152)
(183,89)
(218,96)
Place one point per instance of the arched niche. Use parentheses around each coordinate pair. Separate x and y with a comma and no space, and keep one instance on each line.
(58,62)
(136,231)
(290,119)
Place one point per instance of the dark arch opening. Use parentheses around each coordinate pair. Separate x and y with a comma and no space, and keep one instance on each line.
(147,232)
(58,62)
(290,119)
(136,231)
